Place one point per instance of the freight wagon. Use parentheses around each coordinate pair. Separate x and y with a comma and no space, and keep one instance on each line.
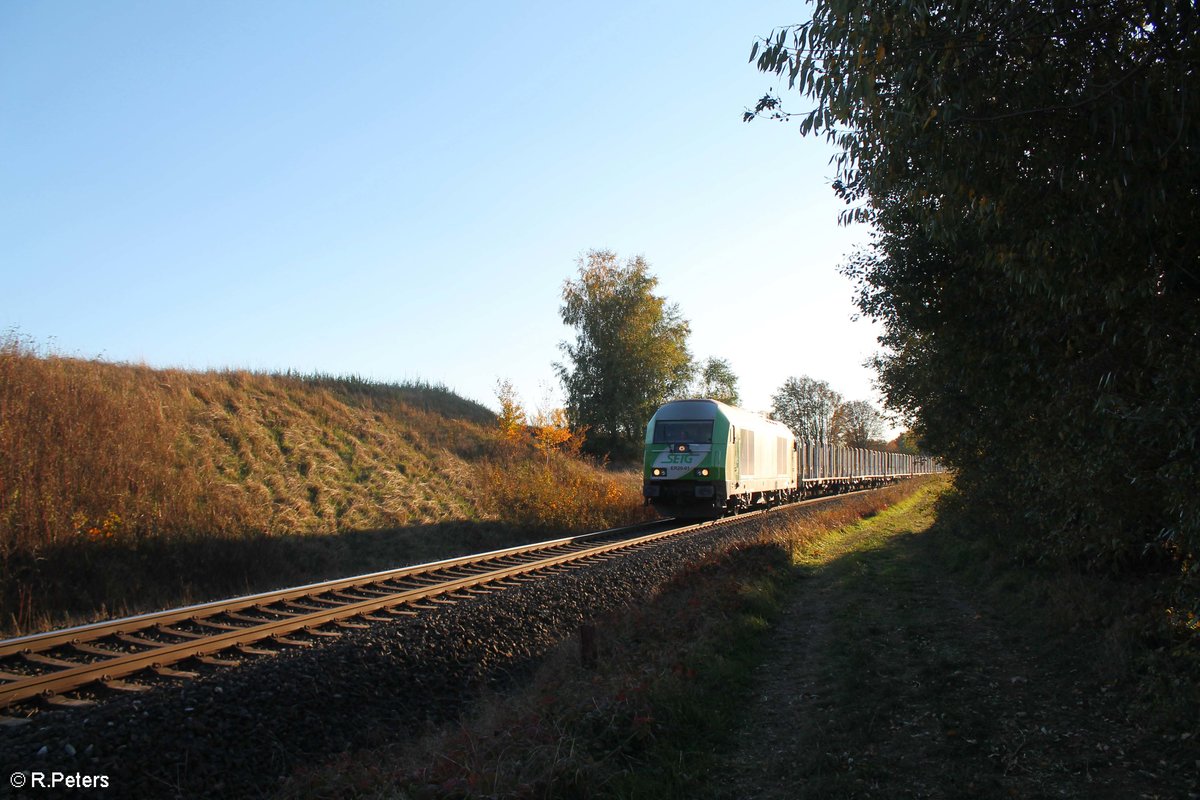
(704,458)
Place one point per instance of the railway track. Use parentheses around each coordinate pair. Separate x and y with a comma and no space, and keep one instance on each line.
(42,667)
(46,666)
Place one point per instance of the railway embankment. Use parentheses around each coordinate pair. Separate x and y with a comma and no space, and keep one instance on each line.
(125,489)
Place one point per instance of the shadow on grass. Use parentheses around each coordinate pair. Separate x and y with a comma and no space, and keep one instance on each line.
(936,646)
(91,580)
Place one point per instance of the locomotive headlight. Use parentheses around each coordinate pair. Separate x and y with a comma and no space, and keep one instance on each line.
(656,472)
(704,473)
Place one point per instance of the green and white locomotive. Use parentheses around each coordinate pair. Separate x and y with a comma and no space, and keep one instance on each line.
(705,459)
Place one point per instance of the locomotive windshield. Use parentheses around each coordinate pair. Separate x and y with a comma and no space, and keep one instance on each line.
(689,431)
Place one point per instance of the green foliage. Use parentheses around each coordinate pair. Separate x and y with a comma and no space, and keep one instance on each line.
(630,351)
(807,406)
(1029,168)
(716,381)
(905,443)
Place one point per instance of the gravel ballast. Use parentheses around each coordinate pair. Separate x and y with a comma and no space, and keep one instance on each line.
(237,732)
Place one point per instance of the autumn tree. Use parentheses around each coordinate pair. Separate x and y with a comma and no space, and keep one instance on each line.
(806,405)
(715,380)
(856,423)
(905,443)
(629,354)
(552,432)
(1029,169)
(511,419)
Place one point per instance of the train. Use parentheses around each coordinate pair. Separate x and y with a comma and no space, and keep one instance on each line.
(705,459)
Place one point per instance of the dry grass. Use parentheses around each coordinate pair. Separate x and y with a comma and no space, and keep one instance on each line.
(124,487)
(563,494)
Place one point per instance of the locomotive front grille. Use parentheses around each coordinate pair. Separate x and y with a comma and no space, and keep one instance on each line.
(679,490)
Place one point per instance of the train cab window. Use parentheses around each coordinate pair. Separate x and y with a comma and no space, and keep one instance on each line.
(689,431)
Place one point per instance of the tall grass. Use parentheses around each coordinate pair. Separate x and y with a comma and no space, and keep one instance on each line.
(102,465)
(435,397)
(562,493)
(87,452)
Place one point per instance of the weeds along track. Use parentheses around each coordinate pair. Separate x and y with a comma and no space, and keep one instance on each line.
(161,645)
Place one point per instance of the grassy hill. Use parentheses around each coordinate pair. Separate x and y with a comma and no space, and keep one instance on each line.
(124,488)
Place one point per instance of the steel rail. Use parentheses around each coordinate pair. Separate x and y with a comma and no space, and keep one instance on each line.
(124,665)
(74,675)
(127,625)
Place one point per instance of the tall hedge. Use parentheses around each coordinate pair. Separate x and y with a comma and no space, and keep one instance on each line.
(1030,170)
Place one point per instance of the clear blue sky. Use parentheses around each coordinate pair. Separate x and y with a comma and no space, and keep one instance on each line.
(399,190)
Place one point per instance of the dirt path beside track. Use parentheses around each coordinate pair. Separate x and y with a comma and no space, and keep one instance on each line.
(890,677)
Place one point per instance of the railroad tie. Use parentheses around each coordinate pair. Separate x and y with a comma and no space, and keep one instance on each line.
(307,607)
(124,686)
(253,651)
(319,632)
(167,672)
(138,641)
(58,701)
(283,612)
(92,650)
(367,590)
(167,630)
(213,661)
(49,661)
(220,626)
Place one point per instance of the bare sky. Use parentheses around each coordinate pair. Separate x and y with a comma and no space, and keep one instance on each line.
(398,190)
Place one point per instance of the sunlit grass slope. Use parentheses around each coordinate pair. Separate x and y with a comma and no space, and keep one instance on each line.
(123,487)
